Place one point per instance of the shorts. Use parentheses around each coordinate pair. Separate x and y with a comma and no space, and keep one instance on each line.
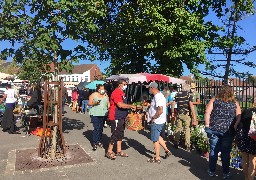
(117,130)
(156,130)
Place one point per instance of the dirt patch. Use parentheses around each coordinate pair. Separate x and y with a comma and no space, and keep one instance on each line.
(28,159)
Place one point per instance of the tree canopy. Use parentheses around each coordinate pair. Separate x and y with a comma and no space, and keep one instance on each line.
(38,29)
(229,48)
(157,36)
(168,33)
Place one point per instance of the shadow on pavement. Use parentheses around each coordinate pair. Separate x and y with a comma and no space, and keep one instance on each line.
(140,148)
(145,133)
(126,144)
(198,165)
(104,139)
(71,124)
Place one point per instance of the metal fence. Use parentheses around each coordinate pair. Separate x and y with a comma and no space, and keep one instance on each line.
(244,90)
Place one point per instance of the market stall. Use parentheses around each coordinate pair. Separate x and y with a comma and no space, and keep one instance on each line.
(137,92)
(136,89)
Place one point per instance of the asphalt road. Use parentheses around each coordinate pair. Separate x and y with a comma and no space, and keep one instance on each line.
(78,130)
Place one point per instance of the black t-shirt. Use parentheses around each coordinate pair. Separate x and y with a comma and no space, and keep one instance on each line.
(84,95)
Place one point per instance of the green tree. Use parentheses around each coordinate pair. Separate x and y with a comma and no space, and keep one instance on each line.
(40,28)
(168,33)
(12,68)
(252,80)
(230,48)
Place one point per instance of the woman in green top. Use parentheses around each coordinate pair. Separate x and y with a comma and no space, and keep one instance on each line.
(98,113)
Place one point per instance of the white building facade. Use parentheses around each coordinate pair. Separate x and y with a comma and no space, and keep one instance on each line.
(80,73)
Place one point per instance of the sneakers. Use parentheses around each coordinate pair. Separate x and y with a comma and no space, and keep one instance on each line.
(211,174)
(226,176)
(94,147)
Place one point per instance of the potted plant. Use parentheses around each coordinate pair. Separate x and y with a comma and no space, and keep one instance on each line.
(205,148)
(202,144)
(170,131)
(195,133)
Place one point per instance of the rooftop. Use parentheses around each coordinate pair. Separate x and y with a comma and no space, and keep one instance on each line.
(79,69)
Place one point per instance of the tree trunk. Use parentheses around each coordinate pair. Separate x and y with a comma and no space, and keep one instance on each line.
(230,51)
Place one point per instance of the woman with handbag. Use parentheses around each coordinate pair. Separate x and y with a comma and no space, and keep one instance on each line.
(222,117)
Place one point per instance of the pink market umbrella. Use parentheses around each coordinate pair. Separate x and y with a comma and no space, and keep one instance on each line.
(134,78)
(156,77)
(177,80)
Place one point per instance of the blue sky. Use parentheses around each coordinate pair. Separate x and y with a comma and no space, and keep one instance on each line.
(248,32)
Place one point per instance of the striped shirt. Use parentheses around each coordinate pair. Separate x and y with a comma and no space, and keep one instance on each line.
(182,100)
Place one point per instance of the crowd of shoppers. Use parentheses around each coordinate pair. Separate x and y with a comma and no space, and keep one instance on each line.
(223,119)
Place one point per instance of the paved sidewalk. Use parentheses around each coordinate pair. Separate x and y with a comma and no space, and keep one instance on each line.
(78,130)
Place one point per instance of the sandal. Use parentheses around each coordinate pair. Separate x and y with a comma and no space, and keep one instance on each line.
(122,154)
(154,160)
(111,155)
(167,154)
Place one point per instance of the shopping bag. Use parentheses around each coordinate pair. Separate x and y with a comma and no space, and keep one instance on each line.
(252,131)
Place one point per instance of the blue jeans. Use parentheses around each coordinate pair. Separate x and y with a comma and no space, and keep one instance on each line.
(84,106)
(219,142)
(98,128)
(10,105)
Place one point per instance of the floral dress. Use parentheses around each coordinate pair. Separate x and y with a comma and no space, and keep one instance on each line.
(244,142)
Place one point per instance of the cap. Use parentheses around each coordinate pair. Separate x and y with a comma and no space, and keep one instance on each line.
(193,86)
(153,85)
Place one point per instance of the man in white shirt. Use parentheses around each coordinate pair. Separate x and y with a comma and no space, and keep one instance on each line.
(8,122)
(157,117)
(10,97)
